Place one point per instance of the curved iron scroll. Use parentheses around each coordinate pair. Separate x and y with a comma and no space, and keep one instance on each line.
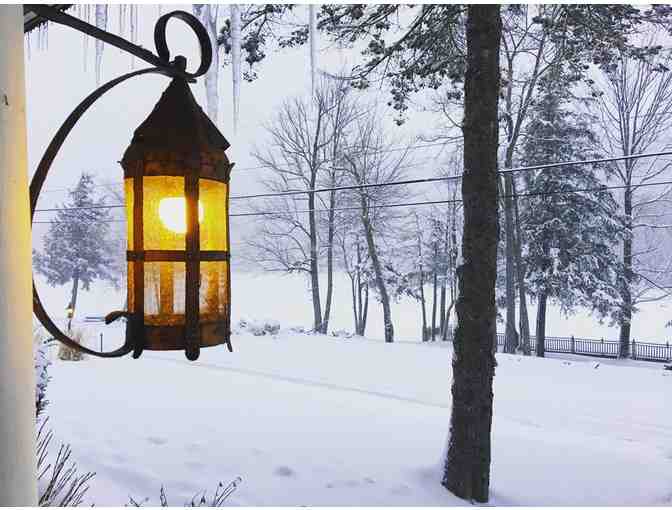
(162,60)
(35,188)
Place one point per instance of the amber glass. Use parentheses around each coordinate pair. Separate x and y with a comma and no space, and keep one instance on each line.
(214,291)
(213,199)
(164,228)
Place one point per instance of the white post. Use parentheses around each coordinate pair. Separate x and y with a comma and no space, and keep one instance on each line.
(18,485)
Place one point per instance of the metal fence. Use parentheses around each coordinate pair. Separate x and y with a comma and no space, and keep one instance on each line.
(644,351)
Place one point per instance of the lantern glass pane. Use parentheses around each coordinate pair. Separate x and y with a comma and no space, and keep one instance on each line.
(128,191)
(164,293)
(164,213)
(213,197)
(214,291)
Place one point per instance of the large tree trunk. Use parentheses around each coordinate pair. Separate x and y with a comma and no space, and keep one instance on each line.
(626,293)
(541,324)
(520,273)
(378,271)
(467,466)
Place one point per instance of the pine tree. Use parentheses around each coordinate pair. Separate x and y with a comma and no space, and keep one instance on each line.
(570,237)
(77,247)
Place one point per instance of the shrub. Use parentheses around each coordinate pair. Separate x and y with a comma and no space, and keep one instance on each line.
(221,494)
(66,353)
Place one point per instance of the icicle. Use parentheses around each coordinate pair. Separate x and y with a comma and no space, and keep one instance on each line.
(235,62)
(160,6)
(312,35)
(207,15)
(46,36)
(27,42)
(101,22)
(134,29)
(87,18)
(122,8)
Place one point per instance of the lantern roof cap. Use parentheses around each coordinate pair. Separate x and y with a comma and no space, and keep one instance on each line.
(177,123)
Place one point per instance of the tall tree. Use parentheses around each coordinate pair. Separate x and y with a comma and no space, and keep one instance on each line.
(635,106)
(570,237)
(77,247)
(467,466)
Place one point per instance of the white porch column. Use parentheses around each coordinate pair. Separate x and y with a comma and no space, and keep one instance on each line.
(18,485)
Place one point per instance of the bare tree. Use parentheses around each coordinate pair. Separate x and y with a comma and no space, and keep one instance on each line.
(368,160)
(635,112)
(305,135)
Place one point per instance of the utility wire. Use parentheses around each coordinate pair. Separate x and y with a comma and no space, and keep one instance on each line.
(449,178)
(414,181)
(412,204)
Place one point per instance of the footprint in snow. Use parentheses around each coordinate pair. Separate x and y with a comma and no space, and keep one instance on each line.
(284,471)
(158,441)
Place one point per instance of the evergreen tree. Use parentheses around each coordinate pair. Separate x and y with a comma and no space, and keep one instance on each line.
(570,237)
(77,247)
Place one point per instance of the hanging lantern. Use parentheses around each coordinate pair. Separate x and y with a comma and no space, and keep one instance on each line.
(176,181)
(176,177)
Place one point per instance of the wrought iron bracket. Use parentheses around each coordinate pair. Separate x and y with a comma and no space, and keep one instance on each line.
(162,64)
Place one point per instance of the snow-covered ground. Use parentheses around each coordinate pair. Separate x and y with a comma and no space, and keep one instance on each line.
(315,420)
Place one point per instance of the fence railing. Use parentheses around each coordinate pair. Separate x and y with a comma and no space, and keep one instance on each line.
(644,351)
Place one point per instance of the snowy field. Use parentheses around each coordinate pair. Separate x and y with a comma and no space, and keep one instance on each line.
(315,420)
(286,299)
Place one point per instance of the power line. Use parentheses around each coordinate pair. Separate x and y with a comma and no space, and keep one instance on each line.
(448,178)
(453,201)
(419,203)
(414,181)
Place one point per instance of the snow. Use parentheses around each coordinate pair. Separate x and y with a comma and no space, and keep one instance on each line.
(313,420)
(318,420)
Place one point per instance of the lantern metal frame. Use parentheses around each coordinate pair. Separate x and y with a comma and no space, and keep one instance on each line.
(163,65)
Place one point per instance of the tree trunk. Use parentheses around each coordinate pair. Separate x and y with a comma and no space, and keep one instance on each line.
(520,273)
(73,300)
(330,262)
(423,307)
(511,336)
(434,303)
(467,466)
(626,293)
(314,269)
(365,315)
(541,324)
(378,271)
(353,294)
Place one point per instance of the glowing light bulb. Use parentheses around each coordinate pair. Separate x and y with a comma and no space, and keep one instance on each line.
(173,214)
